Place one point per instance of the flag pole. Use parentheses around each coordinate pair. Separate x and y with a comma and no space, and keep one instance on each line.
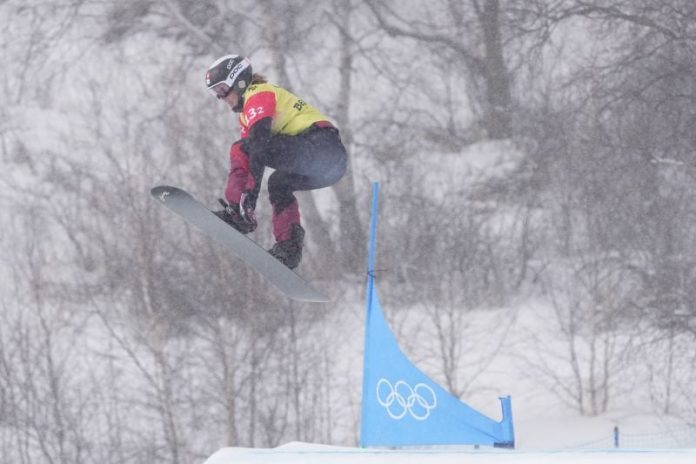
(373,239)
(370,291)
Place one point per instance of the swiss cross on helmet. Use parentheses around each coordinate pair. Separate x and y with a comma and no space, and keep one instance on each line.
(231,73)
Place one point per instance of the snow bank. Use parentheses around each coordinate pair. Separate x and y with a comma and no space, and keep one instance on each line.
(306,453)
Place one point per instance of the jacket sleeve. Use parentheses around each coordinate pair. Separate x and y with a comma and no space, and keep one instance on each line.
(258,113)
(239,179)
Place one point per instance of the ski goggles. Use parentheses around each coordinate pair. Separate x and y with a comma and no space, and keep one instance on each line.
(220,90)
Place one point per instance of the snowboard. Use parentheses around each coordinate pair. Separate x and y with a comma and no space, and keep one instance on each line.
(282,277)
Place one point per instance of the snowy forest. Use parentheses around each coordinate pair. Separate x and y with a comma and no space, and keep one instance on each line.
(127,336)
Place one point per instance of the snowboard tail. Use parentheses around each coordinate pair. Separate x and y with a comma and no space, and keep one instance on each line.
(283,278)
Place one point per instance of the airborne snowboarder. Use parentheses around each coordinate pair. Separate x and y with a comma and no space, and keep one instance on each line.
(280,131)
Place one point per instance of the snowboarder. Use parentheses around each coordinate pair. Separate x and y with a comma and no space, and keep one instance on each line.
(280,131)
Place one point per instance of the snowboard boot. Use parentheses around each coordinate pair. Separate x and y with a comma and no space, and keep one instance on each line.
(289,252)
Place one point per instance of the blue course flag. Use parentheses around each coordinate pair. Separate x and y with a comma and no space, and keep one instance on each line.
(401,406)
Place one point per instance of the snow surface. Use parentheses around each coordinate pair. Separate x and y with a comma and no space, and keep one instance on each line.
(306,453)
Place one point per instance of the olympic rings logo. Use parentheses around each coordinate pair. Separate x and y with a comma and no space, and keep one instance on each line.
(400,399)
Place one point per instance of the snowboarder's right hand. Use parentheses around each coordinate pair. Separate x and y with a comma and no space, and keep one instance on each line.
(247,206)
(231,214)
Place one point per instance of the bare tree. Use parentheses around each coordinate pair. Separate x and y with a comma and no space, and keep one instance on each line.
(481,54)
(582,357)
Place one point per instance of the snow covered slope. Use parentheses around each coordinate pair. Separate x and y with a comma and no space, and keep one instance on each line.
(303,453)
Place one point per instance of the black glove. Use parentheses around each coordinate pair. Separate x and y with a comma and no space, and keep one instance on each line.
(232,214)
(247,206)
